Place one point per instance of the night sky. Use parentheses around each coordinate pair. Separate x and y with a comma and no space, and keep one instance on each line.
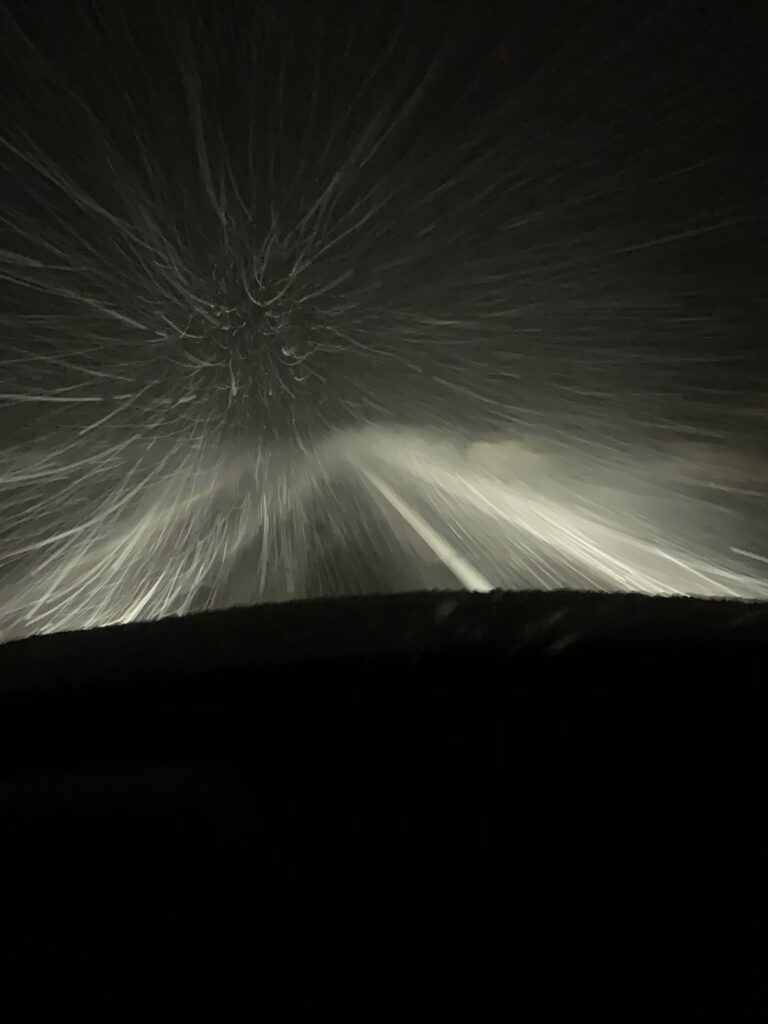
(319,297)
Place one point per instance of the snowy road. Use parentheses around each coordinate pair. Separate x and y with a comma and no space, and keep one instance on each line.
(382,511)
(408,513)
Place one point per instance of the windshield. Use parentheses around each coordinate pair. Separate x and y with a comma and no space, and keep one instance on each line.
(311,299)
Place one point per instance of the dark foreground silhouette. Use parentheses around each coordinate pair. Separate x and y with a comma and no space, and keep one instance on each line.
(508,806)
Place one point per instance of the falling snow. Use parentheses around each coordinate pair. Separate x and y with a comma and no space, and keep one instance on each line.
(322,298)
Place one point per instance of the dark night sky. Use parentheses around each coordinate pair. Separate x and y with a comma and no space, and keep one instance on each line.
(573,184)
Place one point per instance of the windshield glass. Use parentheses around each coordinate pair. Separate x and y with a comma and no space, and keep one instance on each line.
(310,299)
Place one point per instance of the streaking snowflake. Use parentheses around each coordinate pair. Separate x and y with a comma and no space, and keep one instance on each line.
(246,245)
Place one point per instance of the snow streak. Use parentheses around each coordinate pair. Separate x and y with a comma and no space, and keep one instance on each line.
(275,276)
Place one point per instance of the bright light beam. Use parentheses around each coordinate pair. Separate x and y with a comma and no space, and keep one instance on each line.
(459,566)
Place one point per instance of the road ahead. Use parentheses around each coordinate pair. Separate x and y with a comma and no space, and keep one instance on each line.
(377,512)
(397,518)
